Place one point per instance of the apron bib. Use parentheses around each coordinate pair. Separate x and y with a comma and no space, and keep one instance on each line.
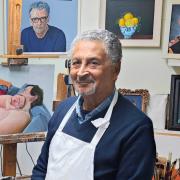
(71,158)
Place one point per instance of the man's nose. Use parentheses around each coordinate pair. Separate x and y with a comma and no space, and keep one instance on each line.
(83,70)
(39,22)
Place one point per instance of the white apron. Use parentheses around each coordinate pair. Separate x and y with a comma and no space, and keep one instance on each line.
(71,158)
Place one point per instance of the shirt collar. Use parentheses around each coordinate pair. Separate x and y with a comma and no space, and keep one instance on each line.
(83,117)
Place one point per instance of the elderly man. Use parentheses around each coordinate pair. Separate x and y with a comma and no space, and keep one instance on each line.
(41,37)
(98,135)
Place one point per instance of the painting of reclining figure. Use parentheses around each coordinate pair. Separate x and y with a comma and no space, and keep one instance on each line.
(25,100)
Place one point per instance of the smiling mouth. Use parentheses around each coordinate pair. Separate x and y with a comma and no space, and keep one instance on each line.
(84,82)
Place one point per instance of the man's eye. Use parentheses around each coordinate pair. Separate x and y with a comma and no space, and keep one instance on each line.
(34,19)
(94,62)
(75,63)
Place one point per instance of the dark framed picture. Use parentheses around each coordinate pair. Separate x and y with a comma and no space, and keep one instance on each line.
(172,35)
(174,105)
(137,24)
(139,97)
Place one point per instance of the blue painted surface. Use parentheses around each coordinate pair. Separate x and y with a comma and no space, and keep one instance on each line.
(63,14)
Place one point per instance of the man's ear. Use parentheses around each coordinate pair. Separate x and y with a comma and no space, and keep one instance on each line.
(117,68)
(30,20)
(48,19)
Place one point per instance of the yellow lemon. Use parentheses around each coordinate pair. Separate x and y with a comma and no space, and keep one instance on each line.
(121,22)
(135,20)
(129,23)
(128,15)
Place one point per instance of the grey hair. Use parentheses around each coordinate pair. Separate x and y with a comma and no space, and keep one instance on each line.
(40,5)
(112,43)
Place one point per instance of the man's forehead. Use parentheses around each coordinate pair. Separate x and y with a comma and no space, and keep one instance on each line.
(38,12)
(84,46)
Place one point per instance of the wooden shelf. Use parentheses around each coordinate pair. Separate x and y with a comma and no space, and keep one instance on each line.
(46,55)
(167,133)
(22,137)
(174,62)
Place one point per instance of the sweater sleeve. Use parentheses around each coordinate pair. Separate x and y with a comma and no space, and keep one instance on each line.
(138,155)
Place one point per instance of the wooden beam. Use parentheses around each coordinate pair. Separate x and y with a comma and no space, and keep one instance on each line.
(9,162)
(14,25)
(34,56)
(10,148)
(22,137)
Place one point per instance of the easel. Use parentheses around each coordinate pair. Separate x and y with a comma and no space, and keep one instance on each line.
(14,33)
(10,149)
(62,91)
(14,25)
(9,142)
(14,20)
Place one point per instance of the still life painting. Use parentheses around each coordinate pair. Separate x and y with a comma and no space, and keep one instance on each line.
(129,24)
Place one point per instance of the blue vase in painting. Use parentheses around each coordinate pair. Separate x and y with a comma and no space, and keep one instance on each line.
(128,31)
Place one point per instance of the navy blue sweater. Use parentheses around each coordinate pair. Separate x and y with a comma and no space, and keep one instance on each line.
(126,151)
(53,41)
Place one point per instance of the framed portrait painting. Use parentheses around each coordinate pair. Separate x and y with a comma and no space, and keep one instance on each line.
(60,25)
(172,33)
(137,23)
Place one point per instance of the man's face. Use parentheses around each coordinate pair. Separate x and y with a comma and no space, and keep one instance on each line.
(39,20)
(27,94)
(92,73)
(18,101)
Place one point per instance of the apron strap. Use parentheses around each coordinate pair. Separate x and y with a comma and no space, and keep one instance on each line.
(67,116)
(103,123)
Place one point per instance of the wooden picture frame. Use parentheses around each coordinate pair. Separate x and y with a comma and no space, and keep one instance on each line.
(112,11)
(139,97)
(171,47)
(173,122)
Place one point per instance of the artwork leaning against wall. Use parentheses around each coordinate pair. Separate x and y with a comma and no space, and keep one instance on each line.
(19,80)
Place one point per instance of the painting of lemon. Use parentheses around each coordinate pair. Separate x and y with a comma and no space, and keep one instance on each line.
(128,20)
(128,24)
(128,15)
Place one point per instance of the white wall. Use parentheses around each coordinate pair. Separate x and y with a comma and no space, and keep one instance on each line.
(141,68)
